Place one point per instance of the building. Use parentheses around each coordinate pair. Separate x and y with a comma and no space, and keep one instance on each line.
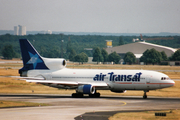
(138,48)
(19,30)
(16,30)
(22,30)
(109,43)
(46,32)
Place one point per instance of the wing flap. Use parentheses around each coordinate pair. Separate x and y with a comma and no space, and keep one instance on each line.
(28,78)
(53,82)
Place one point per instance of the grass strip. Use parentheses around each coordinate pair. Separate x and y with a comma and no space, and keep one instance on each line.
(8,104)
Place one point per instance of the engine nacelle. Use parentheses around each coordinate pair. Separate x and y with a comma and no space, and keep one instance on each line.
(54,63)
(118,91)
(85,89)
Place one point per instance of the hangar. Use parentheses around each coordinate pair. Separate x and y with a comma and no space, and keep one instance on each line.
(138,48)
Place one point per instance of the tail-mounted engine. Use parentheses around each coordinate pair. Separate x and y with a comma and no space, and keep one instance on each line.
(55,63)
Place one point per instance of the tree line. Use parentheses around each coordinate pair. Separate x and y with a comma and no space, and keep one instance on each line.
(73,46)
(51,46)
(151,56)
(99,55)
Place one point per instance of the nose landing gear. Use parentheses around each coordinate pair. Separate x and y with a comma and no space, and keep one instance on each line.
(145,96)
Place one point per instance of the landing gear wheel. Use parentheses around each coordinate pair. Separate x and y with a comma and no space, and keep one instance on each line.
(74,95)
(95,95)
(77,95)
(91,95)
(145,96)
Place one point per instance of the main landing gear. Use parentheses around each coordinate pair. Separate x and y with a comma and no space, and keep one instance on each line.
(80,95)
(77,95)
(145,96)
(95,95)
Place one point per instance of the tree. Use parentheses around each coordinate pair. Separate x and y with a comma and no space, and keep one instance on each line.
(155,56)
(114,57)
(121,42)
(69,46)
(8,52)
(130,58)
(105,55)
(97,56)
(144,58)
(151,56)
(175,56)
(72,55)
(54,53)
(164,56)
(82,57)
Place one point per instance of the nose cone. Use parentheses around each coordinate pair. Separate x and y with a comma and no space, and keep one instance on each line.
(172,83)
(167,83)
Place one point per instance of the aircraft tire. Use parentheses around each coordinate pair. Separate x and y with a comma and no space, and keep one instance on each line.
(73,95)
(91,95)
(96,95)
(77,95)
(145,96)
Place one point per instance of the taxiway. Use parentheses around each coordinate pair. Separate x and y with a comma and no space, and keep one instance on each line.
(66,108)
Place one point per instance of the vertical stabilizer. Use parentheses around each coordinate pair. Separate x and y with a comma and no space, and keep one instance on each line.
(31,58)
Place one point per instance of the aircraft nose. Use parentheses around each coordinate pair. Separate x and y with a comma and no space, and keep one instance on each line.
(172,83)
(168,83)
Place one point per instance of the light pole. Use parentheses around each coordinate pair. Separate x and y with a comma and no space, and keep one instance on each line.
(61,34)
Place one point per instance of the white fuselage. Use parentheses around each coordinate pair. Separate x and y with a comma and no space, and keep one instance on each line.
(115,79)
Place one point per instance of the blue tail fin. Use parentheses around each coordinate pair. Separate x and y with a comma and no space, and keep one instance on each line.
(31,58)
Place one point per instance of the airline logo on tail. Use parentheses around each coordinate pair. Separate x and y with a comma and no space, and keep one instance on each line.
(35,59)
(31,58)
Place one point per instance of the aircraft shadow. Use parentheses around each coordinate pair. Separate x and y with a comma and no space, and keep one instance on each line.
(40,96)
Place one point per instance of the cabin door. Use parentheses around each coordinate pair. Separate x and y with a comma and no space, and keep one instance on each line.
(148,82)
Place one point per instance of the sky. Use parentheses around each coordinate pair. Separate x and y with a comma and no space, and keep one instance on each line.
(110,16)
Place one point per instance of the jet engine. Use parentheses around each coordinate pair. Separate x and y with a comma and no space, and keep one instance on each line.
(85,89)
(54,63)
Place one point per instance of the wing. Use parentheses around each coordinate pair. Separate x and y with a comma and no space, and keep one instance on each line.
(41,80)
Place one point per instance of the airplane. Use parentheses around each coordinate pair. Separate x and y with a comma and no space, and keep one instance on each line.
(53,72)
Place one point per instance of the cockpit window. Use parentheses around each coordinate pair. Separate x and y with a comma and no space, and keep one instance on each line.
(165,78)
(64,63)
